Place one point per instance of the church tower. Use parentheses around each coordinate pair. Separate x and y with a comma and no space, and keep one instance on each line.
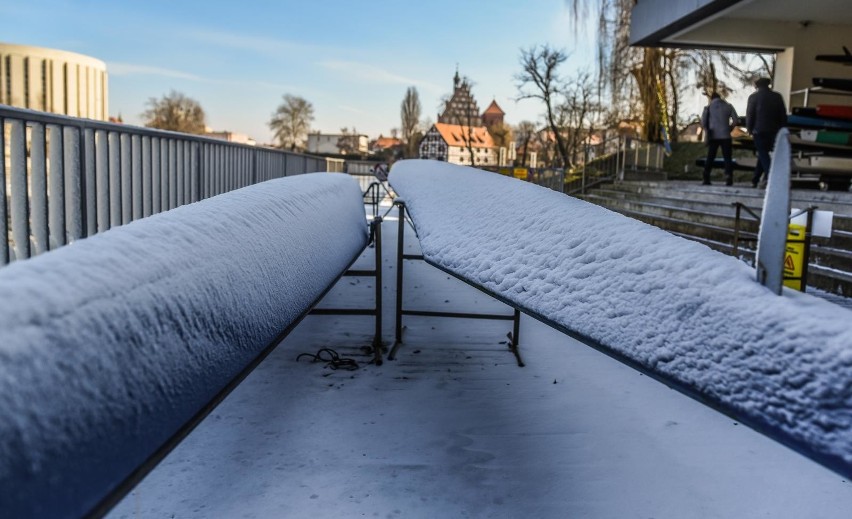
(461,108)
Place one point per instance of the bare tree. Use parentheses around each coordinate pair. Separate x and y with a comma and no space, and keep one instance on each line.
(467,132)
(615,57)
(525,133)
(291,122)
(410,118)
(348,142)
(678,81)
(176,112)
(501,133)
(540,80)
(576,115)
(630,74)
(706,75)
(655,77)
(747,67)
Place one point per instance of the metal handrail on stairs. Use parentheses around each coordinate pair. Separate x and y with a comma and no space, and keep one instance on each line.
(739,207)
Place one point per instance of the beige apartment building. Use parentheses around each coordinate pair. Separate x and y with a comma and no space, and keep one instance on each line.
(54,81)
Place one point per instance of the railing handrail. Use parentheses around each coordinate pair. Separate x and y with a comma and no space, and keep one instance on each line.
(68,177)
(9,112)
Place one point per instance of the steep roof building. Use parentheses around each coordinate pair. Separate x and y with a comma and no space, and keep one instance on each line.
(452,143)
(461,107)
(461,135)
(493,115)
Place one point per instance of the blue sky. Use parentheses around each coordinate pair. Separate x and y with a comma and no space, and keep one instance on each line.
(352,60)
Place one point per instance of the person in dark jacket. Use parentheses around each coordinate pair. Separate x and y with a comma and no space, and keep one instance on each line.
(718,120)
(765,115)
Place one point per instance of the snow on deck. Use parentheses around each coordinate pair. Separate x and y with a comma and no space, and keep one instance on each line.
(674,306)
(110,344)
(453,428)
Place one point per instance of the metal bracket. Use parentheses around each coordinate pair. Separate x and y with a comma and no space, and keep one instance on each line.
(401,257)
(376,312)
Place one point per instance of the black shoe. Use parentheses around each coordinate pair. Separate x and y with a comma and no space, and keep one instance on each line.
(706,183)
(729,182)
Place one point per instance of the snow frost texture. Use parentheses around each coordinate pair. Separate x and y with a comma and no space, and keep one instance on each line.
(109,345)
(674,306)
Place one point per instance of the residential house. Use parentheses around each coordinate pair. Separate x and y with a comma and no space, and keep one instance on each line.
(452,143)
(384,143)
(332,143)
(239,138)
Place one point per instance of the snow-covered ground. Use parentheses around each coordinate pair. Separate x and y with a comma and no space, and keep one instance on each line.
(453,428)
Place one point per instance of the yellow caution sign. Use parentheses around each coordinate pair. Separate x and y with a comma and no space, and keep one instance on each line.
(794,257)
(521,173)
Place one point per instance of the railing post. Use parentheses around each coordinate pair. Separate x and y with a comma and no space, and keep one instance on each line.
(102,211)
(205,166)
(137,195)
(90,181)
(188,177)
(114,179)
(195,168)
(173,181)
(636,157)
(254,166)
(75,195)
(377,341)
(399,266)
(18,184)
(126,179)
(164,174)
(737,229)
(807,252)
(147,178)
(182,167)
(38,188)
(4,214)
(156,175)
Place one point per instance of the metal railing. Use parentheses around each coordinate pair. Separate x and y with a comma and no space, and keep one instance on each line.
(65,178)
(604,162)
(608,161)
(547,177)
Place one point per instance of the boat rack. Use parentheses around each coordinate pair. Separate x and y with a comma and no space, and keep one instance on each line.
(376,272)
(401,311)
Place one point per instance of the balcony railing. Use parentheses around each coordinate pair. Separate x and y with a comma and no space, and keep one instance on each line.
(604,162)
(65,178)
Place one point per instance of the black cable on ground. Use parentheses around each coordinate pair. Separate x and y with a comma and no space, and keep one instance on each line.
(331,358)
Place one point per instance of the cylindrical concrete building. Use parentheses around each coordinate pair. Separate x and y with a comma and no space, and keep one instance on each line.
(53,81)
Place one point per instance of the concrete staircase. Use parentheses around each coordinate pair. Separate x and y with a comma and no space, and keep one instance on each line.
(706,214)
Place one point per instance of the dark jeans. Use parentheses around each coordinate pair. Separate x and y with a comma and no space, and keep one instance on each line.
(712,146)
(763,143)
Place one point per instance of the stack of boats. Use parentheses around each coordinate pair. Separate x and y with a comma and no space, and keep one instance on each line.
(822,135)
